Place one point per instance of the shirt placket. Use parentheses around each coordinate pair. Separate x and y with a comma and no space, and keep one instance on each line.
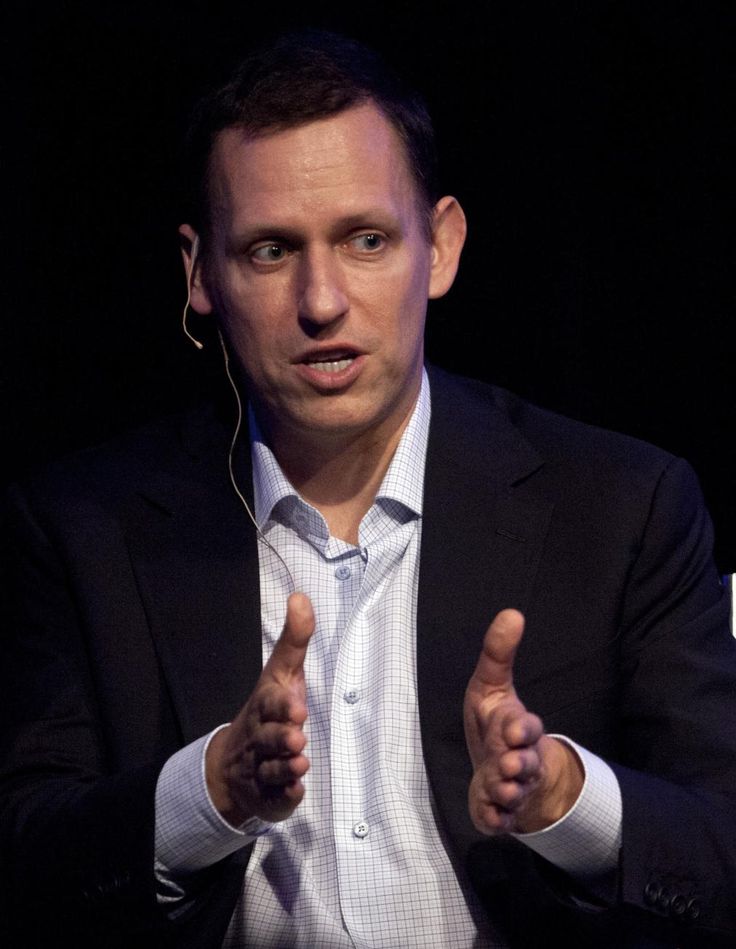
(355,742)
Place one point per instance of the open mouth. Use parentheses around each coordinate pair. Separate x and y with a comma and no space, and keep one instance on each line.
(330,365)
(331,370)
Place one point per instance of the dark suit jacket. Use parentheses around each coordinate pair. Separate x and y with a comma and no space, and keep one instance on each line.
(135,628)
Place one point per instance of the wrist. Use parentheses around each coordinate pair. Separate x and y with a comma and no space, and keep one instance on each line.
(216,781)
(560,785)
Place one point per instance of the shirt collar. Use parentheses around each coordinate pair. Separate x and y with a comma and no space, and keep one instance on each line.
(403,482)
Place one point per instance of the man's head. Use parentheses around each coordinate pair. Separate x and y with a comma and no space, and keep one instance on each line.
(297,79)
(320,255)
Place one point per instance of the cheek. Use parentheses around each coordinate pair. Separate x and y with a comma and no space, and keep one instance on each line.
(255,313)
(395,295)
(410,306)
(410,278)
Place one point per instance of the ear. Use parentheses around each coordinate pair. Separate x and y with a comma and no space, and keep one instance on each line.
(191,254)
(448,236)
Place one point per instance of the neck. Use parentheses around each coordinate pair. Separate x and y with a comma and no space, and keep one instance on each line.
(338,475)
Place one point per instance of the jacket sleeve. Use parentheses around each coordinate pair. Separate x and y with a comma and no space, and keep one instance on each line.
(677,723)
(76,825)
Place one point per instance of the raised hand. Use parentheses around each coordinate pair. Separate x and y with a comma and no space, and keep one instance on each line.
(254,766)
(523,780)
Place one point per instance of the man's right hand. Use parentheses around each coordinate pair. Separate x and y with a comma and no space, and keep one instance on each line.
(254,766)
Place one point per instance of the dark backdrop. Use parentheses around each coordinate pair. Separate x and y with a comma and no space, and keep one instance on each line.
(589,143)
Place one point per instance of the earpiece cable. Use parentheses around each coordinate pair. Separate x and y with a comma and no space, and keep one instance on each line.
(188,304)
(239,422)
(230,465)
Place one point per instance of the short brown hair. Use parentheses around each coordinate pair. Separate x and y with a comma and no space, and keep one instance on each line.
(299,78)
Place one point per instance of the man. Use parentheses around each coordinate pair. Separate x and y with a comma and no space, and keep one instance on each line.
(200,755)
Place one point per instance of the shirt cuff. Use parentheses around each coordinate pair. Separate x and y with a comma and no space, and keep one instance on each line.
(586,841)
(190,832)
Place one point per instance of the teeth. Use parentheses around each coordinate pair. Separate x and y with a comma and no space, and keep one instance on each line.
(331,365)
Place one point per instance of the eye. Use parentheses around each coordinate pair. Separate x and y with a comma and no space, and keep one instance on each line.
(269,253)
(368,243)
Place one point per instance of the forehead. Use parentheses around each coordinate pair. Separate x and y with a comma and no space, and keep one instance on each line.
(347,162)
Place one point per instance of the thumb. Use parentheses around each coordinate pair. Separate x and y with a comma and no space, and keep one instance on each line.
(291,648)
(495,666)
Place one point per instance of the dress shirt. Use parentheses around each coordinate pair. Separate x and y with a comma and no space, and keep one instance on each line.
(362,861)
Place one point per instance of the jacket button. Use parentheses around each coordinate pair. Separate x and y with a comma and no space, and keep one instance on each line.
(678,905)
(692,910)
(665,898)
(651,893)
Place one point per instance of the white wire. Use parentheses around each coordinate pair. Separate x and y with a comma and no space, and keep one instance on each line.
(184,317)
(230,465)
(231,452)
(190,276)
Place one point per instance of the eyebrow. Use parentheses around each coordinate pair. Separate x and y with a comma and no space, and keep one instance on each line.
(378,218)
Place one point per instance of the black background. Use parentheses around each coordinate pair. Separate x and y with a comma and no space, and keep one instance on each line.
(589,142)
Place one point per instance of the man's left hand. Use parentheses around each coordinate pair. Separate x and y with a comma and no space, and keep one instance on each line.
(523,780)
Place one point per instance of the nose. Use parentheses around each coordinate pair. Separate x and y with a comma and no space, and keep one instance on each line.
(322,293)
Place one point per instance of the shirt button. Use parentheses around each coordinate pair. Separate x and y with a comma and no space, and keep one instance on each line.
(351,696)
(343,572)
(361,829)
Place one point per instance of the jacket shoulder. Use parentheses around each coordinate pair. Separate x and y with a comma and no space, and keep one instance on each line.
(177,452)
(559,440)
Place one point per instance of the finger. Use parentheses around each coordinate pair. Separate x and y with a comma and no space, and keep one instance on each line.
(279,802)
(521,729)
(486,814)
(274,702)
(508,795)
(288,654)
(270,802)
(522,766)
(495,665)
(505,794)
(281,772)
(274,740)
(489,819)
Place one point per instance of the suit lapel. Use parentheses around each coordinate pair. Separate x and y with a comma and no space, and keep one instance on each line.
(482,535)
(194,554)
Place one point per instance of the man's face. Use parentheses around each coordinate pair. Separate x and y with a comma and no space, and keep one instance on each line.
(319,271)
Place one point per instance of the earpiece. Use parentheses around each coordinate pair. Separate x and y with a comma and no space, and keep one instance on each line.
(190,277)
(239,421)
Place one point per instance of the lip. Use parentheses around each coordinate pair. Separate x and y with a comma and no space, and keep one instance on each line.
(330,381)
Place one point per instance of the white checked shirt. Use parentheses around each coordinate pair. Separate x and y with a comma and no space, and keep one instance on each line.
(361,862)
